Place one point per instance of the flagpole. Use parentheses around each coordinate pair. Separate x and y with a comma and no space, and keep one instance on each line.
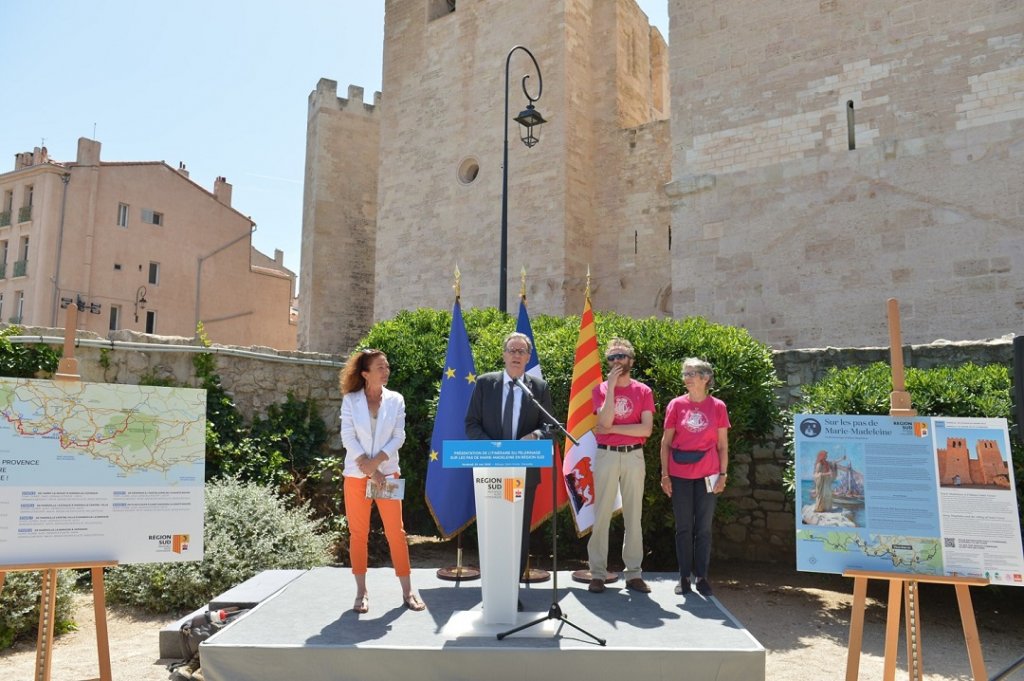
(532,575)
(446,486)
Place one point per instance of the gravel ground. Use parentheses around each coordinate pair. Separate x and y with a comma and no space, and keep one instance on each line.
(801,619)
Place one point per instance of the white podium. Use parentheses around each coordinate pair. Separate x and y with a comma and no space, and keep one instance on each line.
(499,498)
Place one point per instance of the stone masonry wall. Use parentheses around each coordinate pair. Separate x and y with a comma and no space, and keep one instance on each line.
(800,238)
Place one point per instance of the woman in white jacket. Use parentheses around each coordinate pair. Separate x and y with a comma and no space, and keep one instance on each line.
(372,431)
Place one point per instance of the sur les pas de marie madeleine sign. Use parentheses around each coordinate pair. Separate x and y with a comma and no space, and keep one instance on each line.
(919,495)
(93,471)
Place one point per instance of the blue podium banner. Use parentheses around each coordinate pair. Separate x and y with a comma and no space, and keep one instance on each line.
(496,453)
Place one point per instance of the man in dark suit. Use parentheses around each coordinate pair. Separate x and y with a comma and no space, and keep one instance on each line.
(489,417)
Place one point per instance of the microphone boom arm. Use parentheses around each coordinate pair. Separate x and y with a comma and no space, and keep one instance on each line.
(552,422)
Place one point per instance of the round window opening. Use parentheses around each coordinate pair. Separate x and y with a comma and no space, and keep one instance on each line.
(468,170)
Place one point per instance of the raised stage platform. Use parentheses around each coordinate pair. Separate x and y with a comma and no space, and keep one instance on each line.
(308,631)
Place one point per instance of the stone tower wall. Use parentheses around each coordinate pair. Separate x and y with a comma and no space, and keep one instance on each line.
(603,68)
(338,219)
(957,462)
(623,237)
(800,239)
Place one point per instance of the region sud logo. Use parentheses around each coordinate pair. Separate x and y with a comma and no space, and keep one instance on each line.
(170,543)
(507,489)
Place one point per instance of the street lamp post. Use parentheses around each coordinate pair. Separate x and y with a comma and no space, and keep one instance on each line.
(528,119)
(140,301)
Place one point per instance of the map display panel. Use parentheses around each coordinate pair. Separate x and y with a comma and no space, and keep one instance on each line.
(95,471)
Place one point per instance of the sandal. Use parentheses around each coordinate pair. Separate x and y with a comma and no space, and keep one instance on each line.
(413,602)
(362,604)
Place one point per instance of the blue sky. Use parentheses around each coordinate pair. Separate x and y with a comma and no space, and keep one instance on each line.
(220,85)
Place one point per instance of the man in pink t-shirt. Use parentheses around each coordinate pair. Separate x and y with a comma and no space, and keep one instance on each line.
(625,417)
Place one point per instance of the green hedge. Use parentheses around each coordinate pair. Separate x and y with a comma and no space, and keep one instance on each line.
(416,343)
(19,605)
(966,390)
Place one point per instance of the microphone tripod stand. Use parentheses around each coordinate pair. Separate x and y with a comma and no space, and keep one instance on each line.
(554,610)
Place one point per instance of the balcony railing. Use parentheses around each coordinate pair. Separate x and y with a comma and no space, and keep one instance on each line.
(24,213)
(3,270)
(20,268)
(5,218)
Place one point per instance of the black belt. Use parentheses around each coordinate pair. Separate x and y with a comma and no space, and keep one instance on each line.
(620,448)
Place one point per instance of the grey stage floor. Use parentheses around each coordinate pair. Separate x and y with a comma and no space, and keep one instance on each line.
(308,631)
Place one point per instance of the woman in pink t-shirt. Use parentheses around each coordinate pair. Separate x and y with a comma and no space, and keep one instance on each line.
(694,464)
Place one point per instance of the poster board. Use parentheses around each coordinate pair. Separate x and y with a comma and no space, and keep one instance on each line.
(99,472)
(915,495)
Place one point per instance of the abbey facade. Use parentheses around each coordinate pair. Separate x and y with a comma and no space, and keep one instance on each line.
(783,166)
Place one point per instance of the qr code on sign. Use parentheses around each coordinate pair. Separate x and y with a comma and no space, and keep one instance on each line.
(950,542)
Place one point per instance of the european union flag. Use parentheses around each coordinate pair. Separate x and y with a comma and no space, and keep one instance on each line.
(450,490)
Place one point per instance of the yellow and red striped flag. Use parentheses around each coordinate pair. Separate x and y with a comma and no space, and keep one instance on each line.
(576,468)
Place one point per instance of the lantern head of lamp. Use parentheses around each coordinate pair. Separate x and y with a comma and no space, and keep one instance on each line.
(529,121)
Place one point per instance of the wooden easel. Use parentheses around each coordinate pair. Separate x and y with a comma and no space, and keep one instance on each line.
(67,370)
(905,585)
(48,606)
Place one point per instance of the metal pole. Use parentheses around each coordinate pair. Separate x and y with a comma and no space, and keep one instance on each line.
(65,178)
(503,265)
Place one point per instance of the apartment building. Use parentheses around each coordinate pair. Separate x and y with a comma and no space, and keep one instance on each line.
(136,245)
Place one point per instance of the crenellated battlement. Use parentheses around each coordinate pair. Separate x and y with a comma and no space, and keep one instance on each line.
(326,96)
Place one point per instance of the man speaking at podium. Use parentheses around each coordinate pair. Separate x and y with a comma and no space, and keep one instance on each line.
(498,410)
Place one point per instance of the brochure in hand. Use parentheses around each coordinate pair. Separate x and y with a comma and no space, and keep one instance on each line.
(393,488)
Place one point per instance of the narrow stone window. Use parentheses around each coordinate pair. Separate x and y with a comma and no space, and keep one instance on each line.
(439,8)
(851,136)
(636,242)
(670,237)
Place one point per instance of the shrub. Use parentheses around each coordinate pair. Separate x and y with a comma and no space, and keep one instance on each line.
(248,529)
(19,605)
(968,390)
(24,360)
(416,342)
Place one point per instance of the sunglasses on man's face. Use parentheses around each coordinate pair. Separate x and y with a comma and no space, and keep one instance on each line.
(617,356)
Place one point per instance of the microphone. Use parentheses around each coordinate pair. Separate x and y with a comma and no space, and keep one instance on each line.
(522,386)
